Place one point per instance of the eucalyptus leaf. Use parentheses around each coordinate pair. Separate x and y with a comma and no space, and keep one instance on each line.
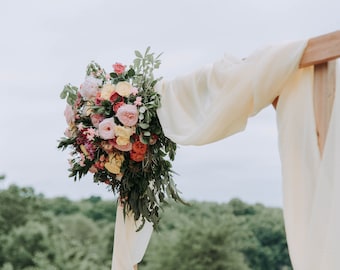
(144,125)
(142,109)
(138,54)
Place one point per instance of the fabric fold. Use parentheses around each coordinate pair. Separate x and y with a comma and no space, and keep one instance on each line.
(129,245)
(310,183)
(215,101)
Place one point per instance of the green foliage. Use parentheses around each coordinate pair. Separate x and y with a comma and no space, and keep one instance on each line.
(59,234)
(69,93)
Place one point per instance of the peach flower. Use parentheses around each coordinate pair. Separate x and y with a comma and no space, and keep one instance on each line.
(96,119)
(114,163)
(123,135)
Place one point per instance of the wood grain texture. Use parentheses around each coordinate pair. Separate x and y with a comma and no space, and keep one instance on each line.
(321,49)
(324,91)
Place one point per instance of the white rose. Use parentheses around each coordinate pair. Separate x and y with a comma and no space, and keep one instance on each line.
(107,91)
(123,89)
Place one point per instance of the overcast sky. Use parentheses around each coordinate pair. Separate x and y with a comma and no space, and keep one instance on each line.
(47,44)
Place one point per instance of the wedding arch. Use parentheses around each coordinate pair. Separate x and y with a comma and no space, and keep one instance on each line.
(301,80)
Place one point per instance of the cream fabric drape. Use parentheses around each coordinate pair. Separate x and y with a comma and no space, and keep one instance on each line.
(216,101)
(129,245)
(310,183)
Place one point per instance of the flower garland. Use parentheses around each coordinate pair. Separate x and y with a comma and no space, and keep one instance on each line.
(114,133)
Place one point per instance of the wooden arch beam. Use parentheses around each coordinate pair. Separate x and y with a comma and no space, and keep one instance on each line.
(321,49)
(321,53)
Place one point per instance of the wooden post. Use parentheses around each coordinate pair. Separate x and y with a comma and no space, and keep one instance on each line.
(321,52)
(324,91)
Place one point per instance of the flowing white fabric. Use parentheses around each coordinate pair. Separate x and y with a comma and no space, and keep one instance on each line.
(216,101)
(310,183)
(129,245)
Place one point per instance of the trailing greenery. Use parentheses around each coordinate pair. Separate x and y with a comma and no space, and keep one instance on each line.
(59,234)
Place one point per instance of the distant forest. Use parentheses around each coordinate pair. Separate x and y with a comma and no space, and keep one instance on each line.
(38,233)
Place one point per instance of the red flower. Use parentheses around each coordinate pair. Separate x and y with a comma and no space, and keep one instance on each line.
(115,97)
(136,157)
(139,147)
(118,68)
(117,105)
(138,151)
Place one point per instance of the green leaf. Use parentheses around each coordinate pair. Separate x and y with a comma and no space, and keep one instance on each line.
(136,62)
(113,75)
(138,54)
(143,125)
(142,109)
(147,50)
(131,72)
(63,94)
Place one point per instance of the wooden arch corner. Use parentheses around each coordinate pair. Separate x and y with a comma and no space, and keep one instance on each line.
(321,52)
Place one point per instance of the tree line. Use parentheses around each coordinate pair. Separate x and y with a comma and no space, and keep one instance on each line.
(38,233)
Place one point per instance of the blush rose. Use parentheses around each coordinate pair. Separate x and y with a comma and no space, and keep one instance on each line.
(106,128)
(127,115)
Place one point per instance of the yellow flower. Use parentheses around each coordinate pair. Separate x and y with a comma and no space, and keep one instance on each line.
(115,161)
(123,89)
(123,135)
(83,149)
(107,91)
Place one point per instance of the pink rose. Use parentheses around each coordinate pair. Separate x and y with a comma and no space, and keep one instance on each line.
(106,128)
(128,115)
(96,119)
(89,88)
(69,114)
(118,68)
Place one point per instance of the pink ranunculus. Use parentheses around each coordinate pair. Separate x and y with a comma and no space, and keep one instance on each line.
(138,101)
(134,91)
(96,119)
(118,68)
(89,88)
(128,115)
(106,128)
(69,114)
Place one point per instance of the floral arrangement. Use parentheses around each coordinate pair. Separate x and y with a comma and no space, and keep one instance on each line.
(114,133)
